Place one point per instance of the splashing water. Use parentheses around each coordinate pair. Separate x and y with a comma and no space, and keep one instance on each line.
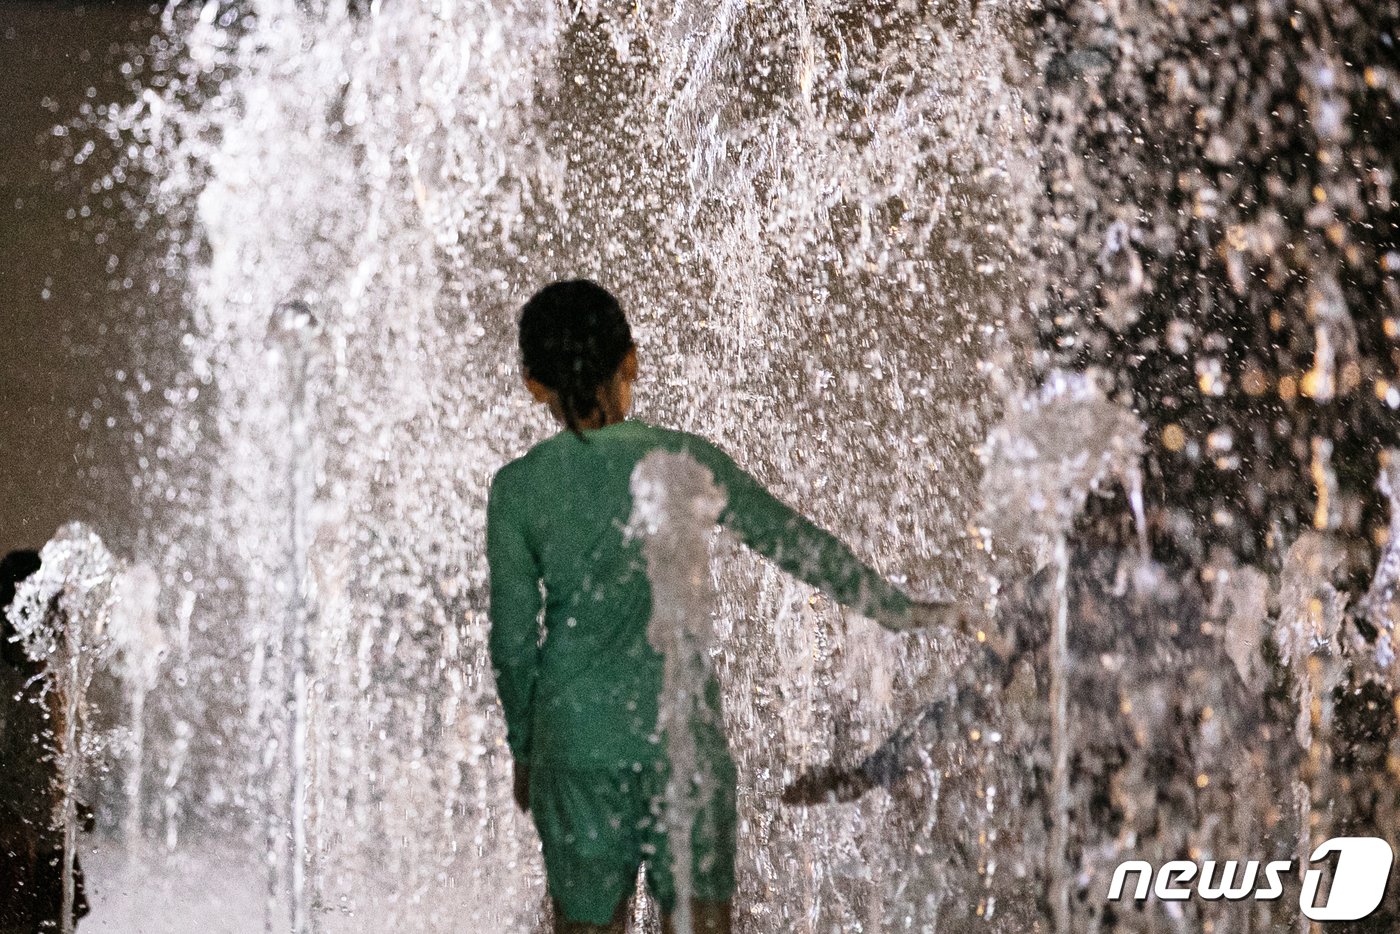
(845,234)
(676,506)
(1052,450)
(782,200)
(61,614)
(1380,602)
(138,649)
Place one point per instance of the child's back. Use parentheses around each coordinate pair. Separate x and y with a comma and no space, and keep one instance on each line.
(588,696)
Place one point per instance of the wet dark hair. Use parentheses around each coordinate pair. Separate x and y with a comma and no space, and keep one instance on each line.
(14,568)
(573,337)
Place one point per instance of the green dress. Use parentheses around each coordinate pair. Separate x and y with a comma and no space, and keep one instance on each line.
(581,702)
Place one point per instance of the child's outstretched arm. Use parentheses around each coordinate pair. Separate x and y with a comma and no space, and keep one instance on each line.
(798,546)
(514,612)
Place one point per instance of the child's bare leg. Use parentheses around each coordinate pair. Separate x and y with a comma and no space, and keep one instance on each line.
(618,924)
(708,918)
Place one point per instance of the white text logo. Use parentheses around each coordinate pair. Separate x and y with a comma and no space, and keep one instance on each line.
(1358,882)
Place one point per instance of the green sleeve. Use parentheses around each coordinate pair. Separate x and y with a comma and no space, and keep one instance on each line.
(795,544)
(514,612)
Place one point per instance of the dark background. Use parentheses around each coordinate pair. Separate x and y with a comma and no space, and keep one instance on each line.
(56,59)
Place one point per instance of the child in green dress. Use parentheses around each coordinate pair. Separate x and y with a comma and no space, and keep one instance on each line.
(581,702)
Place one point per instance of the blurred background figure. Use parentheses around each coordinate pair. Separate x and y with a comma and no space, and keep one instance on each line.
(31,844)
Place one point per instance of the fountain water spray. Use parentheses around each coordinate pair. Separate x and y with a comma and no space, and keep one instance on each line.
(819,217)
(1051,451)
(814,220)
(1307,634)
(675,506)
(293,330)
(1381,604)
(139,647)
(61,613)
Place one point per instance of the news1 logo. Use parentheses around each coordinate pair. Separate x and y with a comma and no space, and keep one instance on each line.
(1358,881)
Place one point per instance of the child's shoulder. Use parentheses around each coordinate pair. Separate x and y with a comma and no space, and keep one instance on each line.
(672,439)
(517,472)
(512,474)
(688,442)
(634,434)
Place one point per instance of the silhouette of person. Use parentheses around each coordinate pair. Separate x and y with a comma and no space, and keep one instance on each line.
(31,843)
